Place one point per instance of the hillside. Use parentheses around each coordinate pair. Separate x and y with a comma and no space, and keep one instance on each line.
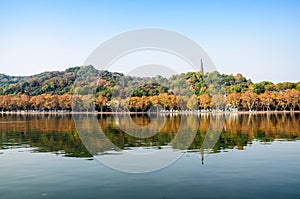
(51,91)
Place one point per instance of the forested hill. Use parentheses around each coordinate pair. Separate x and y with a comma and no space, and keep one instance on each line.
(53,82)
(47,82)
(62,82)
(85,87)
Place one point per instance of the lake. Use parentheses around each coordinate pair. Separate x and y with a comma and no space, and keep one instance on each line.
(150,156)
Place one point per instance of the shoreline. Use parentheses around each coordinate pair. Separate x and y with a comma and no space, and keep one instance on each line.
(143,113)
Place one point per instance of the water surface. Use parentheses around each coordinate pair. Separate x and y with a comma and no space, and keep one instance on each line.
(43,156)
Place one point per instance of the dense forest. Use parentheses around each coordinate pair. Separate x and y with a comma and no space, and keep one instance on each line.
(85,88)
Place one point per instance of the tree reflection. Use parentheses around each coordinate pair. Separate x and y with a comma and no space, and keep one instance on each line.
(57,134)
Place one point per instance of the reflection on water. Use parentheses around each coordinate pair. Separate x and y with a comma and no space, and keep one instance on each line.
(57,134)
(252,156)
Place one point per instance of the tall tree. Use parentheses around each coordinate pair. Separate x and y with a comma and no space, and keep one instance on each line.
(283,101)
(249,100)
(233,100)
(204,101)
(267,99)
(293,98)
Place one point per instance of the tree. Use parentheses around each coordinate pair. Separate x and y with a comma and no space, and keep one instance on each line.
(13,103)
(52,102)
(182,102)
(23,102)
(249,99)
(169,101)
(233,100)
(124,104)
(6,103)
(101,103)
(284,86)
(133,104)
(139,104)
(77,103)
(298,86)
(204,101)
(145,103)
(192,103)
(262,87)
(293,98)
(173,102)
(218,101)
(88,102)
(40,101)
(267,99)
(282,99)
(156,102)
(2,102)
(33,103)
(65,101)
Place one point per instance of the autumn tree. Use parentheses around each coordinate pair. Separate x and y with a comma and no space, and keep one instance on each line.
(282,100)
(135,104)
(101,103)
(6,102)
(51,102)
(145,103)
(65,101)
(204,101)
(32,102)
(233,100)
(267,99)
(39,102)
(169,102)
(2,102)
(155,101)
(249,100)
(23,102)
(139,104)
(293,98)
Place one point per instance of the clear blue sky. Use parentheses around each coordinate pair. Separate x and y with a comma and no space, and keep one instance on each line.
(260,39)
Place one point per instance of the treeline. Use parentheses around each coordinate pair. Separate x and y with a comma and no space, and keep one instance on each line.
(248,101)
(84,88)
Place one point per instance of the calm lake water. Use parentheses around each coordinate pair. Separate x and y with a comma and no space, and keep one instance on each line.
(215,156)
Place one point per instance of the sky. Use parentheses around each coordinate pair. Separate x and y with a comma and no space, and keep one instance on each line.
(260,39)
